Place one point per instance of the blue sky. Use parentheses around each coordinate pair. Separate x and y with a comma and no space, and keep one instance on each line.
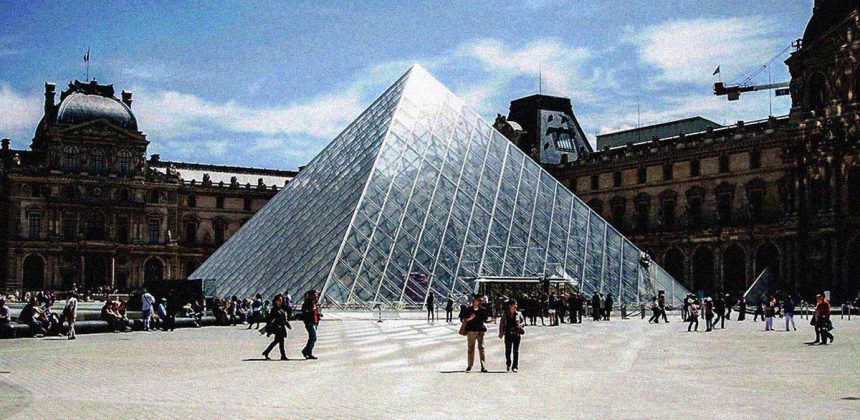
(269,84)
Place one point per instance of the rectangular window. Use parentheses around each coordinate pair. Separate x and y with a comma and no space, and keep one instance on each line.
(122,230)
(35,226)
(755,159)
(595,182)
(756,198)
(154,231)
(219,202)
(191,232)
(641,175)
(192,200)
(616,179)
(668,172)
(70,227)
(724,164)
(247,204)
(695,168)
(668,214)
(695,211)
(724,209)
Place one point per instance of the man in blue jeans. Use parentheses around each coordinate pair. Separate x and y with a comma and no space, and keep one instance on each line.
(311,316)
(146,309)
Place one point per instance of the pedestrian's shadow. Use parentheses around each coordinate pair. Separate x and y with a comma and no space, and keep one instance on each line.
(475,372)
(273,360)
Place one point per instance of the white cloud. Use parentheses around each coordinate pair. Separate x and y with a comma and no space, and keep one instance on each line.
(688,51)
(563,70)
(19,113)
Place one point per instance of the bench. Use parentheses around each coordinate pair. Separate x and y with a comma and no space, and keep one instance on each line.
(16,330)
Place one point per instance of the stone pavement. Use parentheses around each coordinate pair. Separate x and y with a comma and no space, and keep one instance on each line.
(407,368)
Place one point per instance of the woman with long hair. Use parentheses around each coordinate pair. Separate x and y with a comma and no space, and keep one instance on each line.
(277,325)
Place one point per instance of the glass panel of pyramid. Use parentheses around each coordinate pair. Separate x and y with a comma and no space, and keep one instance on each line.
(420,195)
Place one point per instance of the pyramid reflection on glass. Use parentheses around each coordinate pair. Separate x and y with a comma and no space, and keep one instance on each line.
(418,195)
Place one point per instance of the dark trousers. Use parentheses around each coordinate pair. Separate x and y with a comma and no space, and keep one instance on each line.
(742,314)
(606,313)
(694,322)
(719,318)
(312,338)
(512,345)
(168,322)
(821,329)
(575,316)
(663,312)
(709,320)
(655,318)
(449,315)
(280,334)
(431,314)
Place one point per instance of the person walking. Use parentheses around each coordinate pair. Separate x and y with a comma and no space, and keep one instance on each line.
(692,316)
(596,307)
(788,310)
(822,320)
(449,309)
(511,328)
(147,301)
(70,313)
(256,312)
(431,309)
(769,312)
(720,312)
(661,302)
(742,308)
(759,309)
(655,312)
(475,317)
(277,326)
(708,309)
(311,316)
(607,306)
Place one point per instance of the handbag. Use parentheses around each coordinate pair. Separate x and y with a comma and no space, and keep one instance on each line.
(521,330)
(463,328)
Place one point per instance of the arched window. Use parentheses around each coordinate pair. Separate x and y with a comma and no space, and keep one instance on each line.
(124,161)
(818,93)
(70,158)
(97,160)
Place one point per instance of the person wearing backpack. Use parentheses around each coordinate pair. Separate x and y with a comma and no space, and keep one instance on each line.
(512,328)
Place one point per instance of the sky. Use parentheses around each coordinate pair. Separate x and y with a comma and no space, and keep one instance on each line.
(269,84)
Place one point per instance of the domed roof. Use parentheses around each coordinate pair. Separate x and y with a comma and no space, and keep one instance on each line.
(90,102)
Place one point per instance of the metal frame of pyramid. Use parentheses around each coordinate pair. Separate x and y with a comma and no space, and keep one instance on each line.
(420,195)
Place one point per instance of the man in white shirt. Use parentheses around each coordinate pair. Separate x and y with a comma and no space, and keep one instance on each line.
(146,310)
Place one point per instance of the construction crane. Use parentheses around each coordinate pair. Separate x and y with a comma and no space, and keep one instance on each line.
(733,91)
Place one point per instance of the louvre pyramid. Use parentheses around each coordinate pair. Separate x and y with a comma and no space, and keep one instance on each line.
(419,195)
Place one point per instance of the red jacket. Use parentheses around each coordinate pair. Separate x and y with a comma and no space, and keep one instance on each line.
(823,310)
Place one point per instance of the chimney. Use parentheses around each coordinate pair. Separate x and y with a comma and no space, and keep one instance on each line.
(5,144)
(49,98)
(126,98)
(155,158)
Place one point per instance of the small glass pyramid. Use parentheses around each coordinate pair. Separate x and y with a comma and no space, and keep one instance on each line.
(420,195)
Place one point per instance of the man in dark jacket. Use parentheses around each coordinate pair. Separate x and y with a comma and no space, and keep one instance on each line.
(474,317)
(607,306)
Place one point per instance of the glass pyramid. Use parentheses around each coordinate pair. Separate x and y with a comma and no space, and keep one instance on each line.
(420,195)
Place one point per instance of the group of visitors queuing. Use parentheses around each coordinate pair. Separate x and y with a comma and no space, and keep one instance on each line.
(278,322)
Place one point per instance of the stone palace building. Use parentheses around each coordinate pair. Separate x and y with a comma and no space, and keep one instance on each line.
(84,206)
(715,207)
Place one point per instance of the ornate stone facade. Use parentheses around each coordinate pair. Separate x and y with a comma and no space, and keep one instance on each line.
(717,207)
(84,206)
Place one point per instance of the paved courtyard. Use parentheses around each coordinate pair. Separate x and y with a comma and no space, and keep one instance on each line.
(407,368)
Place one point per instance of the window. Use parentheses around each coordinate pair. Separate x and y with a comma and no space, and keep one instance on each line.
(724,208)
(70,158)
(694,211)
(124,195)
(247,204)
(191,200)
(154,197)
(190,232)
(695,168)
(668,172)
(36,191)
(35,226)
(755,159)
(154,231)
(125,161)
(641,175)
(618,210)
(122,230)
(616,179)
(70,227)
(724,164)
(572,185)
(97,160)
(219,227)
(70,191)
(642,215)
(595,182)
(219,202)
(756,203)
(95,228)
(668,210)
